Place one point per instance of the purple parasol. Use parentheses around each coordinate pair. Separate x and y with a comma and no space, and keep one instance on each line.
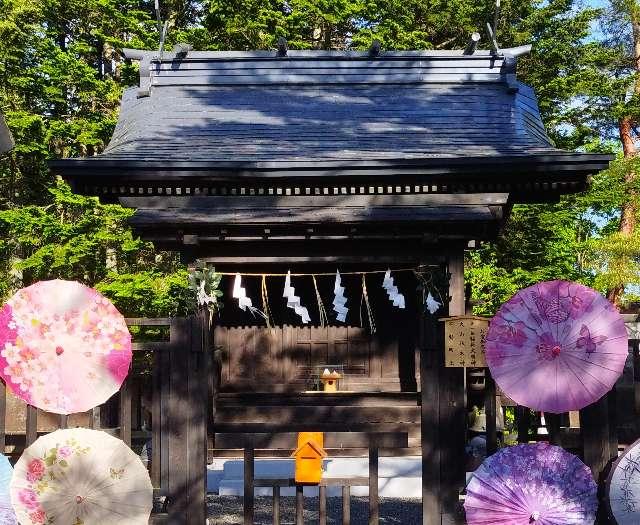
(536,484)
(556,346)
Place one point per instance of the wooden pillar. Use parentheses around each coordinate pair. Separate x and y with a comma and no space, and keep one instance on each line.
(374,503)
(3,416)
(248,502)
(185,421)
(490,410)
(125,410)
(299,505)
(452,412)
(553,426)
(523,421)
(596,437)
(32,425)
(346,505)
(322,505)
(428,339)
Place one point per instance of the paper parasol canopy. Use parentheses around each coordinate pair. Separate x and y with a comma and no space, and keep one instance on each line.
(536,484)
(7,514)
(623,487)
(81,477)
(556,346)
(64,348)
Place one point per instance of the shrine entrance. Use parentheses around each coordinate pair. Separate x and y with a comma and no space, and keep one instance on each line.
(260,163)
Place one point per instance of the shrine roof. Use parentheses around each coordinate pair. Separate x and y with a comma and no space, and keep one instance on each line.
(316,113)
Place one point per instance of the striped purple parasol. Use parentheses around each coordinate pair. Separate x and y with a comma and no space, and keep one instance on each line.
(538,484)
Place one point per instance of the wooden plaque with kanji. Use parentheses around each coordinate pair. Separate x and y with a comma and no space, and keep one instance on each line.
(464,341)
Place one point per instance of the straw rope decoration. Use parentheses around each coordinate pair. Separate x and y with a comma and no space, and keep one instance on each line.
(427,275)
(324,274)
(324,320)
(365,300)
(265,303)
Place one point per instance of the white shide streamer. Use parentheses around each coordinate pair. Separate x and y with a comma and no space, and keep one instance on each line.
(392,290)
(432,305)
(293,301)
(244,302)
(339,300)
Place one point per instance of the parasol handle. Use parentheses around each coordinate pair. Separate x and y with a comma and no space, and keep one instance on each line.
(535,516)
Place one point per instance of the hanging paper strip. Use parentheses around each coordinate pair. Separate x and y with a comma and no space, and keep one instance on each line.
(293,301)
(244,302)
(431,304)
(392,290)
(339,301)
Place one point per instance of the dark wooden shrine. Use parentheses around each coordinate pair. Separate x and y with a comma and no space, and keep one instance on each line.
(261,162)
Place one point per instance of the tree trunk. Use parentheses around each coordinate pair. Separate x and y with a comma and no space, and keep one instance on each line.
(625,130)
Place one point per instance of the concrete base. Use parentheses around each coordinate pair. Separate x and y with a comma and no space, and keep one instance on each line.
(398,477)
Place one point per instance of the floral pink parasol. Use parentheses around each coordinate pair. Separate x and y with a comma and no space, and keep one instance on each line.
(64,348)
(556,346)
(538,484)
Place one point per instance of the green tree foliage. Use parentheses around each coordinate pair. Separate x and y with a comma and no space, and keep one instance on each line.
(78,238)
(62,74)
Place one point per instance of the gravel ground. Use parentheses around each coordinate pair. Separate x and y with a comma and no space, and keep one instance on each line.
(227,510)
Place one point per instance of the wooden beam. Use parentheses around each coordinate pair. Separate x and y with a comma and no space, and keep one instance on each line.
(311,202)
(331,440)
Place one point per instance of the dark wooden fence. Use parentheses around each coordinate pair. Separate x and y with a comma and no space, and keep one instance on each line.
(374,441)
(180,370)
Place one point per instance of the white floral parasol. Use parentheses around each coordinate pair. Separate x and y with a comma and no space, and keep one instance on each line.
(81,477)
(64,348)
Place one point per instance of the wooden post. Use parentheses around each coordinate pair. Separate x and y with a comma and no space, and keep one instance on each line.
(322,505)
(553,426)
(32,425)
(346,505)
(428,332)
(63,421)
(248,484)
(185,423)
(125,411)
(612,407)
(594,427)
(3,416)
(276,505)
(523,420)
(374,502)
(490,410)
(452,414)
(299,505)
